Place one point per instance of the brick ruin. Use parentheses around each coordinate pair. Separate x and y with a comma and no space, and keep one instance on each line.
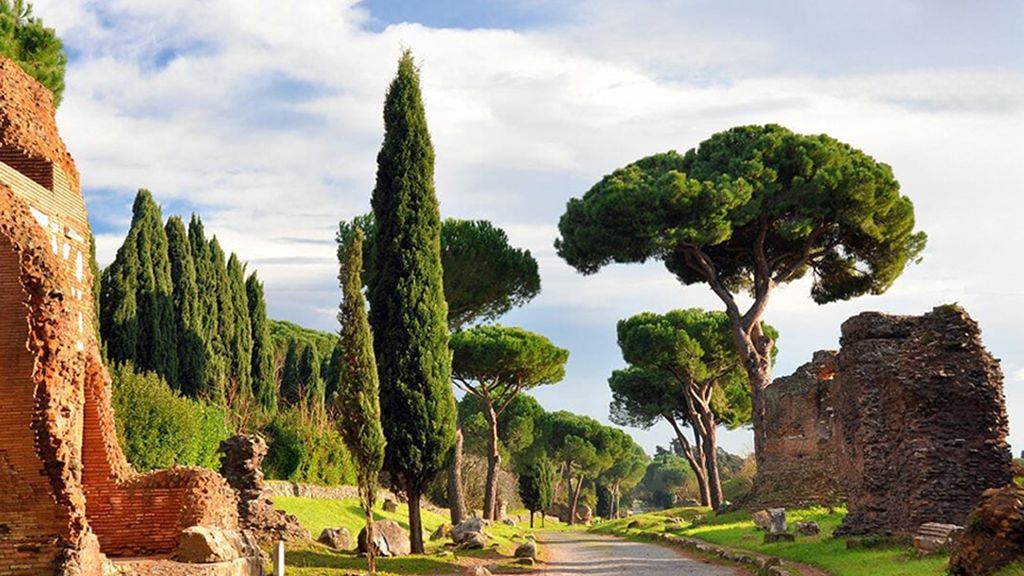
(906,423)
(800,454)
(920,418)
(70,500)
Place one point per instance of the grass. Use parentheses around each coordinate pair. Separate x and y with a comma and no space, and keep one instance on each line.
(310,559)
(736,530)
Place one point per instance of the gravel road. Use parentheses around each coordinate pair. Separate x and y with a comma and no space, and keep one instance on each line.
(583,554)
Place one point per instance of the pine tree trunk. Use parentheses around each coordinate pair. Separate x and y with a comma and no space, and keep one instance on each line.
(575,499)
(711,465)
(456,493)
(531,518)
(415,522)
(696,461)
(493,460)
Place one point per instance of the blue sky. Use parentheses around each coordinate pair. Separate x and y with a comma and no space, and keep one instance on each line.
(265,117)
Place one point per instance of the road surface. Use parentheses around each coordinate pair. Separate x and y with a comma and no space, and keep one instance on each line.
(584,554)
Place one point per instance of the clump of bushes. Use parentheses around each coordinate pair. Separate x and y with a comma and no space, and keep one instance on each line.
(300,450)
(159,428)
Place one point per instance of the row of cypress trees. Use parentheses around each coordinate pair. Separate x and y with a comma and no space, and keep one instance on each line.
(171,303)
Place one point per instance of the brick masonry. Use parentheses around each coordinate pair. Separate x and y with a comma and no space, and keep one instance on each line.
(69,498)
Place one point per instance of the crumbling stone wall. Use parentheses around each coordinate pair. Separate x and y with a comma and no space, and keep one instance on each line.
(800,450)
(67,494)
(241,459)
(921,420)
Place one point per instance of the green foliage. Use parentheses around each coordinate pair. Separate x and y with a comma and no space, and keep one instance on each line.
(820,205)
(240,343)
(358,401)
(208,317)
(264,382)
(664,478)
(36,48)
(497,362)
(484,276)
(519,429)
(301,451)
(291,383)
(407,306)
(536,486)
(188,321)
(283,332)
(137,306)
(158,428)
(311,385)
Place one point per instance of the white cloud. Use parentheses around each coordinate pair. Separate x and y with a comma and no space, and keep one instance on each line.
(268,118)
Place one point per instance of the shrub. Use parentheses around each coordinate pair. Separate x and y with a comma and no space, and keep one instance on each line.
(301,451)
(158,428)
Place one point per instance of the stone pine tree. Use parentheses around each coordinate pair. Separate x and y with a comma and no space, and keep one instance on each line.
(689,354)
(191,350)
(495,364)
(750,209)
(137,314)
(357,402)
(264,384)
(35,47)
(407,306)
(240,344)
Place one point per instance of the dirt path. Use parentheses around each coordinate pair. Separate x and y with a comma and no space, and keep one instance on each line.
(583,554)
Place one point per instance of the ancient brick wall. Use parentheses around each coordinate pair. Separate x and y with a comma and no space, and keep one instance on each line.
(921,420)
(800,450)
(66,490)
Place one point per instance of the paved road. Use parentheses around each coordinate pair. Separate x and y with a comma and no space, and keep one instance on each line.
(583,554)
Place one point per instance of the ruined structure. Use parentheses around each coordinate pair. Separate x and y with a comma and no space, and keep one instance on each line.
(241,457)
(920,420)
(69,499)
(800,450)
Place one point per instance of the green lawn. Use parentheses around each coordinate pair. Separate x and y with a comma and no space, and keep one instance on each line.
(736,530)
(314,559)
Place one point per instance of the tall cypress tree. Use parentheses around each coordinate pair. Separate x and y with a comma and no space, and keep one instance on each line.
(263,384)
(358,398)
(220,341)
(207,315)
(240,344)
(312,385)
(191,352)
(407,306)
(291,386)
(137,296)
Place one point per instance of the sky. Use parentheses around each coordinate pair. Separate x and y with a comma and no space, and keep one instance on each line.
(265,118)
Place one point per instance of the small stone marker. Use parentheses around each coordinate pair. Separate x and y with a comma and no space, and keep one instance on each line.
(279,558)
(762,521)
(933,537)
(390,505)
(777,530)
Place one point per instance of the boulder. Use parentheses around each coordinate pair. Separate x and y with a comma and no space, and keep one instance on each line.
(808,528)
(476,571)
(527,550)
(467,528)
(994,537)
(203,545)
(935,537)
(389,538)
(508,521)
(337,538)
(762,521)
(473,541)
(390,505)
